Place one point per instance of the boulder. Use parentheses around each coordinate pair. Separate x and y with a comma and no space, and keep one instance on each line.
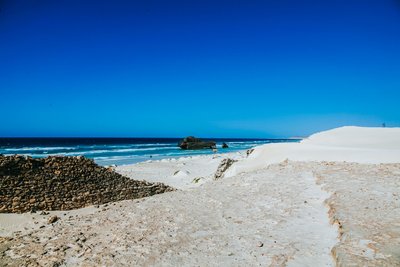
(192,142)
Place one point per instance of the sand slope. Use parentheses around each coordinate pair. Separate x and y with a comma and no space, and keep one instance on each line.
(182,173)
(345,144)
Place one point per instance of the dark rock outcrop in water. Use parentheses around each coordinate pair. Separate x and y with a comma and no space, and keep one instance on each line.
(64,183)
(191,142)
(224,145)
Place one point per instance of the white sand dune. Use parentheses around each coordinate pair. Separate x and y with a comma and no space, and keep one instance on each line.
(310,210)
(357,137)
(345,144)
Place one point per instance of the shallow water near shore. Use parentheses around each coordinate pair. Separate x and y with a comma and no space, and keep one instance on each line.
(119,151)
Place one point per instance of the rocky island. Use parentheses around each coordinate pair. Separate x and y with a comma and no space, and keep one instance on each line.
(192,142)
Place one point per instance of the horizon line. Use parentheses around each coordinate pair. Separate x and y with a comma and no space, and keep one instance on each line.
(109,137)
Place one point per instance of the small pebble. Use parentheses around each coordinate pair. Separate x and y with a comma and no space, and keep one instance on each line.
(52,219)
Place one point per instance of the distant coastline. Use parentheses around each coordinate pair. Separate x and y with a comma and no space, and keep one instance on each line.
(120,151)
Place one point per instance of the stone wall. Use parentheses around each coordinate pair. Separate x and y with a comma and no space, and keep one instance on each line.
(64,183)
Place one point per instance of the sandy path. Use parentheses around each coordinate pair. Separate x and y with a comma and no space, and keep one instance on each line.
(366,204)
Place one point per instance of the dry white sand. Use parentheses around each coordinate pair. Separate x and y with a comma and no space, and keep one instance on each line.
(345,144)
(181,173)
(266,211)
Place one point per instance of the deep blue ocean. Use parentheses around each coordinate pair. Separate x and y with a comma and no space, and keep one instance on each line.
(119,151)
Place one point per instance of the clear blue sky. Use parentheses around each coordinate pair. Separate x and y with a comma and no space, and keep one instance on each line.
(204,68)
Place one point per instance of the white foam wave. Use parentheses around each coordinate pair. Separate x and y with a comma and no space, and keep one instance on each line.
(91,151)
(50,148)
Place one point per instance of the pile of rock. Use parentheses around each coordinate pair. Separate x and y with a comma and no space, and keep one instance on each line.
(64,183)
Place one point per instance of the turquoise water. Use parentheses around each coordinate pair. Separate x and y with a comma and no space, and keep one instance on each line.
(118,151)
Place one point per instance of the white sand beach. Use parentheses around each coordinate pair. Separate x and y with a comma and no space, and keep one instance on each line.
(331,200)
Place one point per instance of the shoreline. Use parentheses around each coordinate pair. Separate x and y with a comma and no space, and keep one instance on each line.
(180,158)
(289,207)
(115,152)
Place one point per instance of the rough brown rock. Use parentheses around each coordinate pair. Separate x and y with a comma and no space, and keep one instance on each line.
(191,142)
(64,183)
(223,166)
